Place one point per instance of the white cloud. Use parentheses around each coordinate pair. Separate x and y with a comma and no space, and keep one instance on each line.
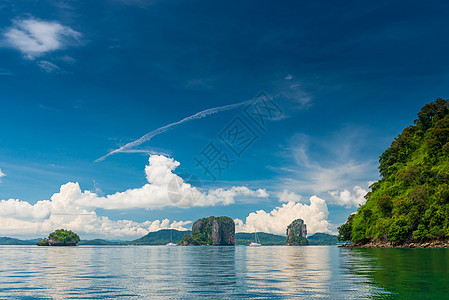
(314,215)
(342,177)
(49,67)
(349,199)
(86,223)
(164,188)
(35,38)
(25,211)
(287,196)
(1,175)
(288,77)
(75,209)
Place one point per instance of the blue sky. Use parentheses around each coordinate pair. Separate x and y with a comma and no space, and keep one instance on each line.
(78,80)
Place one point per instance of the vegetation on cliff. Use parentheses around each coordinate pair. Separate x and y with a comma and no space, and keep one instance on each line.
(411,200)
(211,231)
(296,233)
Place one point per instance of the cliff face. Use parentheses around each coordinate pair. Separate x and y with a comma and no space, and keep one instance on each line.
(296,233)
(55,242)
(211,231)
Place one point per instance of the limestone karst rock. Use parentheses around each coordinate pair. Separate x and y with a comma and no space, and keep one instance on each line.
(296,233)
(217,231)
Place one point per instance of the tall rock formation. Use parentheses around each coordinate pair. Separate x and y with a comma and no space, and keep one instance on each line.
(217,231)
(296,233)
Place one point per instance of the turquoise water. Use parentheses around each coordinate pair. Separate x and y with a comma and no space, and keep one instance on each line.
(222,272)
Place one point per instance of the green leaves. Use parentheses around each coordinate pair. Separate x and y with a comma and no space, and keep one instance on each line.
(399,231)
(345,230)
(385,206)
(411,201)
(64,236)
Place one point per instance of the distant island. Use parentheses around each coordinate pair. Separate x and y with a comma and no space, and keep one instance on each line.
(212,231)
(409,206)
(323,239)
(12,241)
(60,237)
(165,236)
(296,233)
(162,237)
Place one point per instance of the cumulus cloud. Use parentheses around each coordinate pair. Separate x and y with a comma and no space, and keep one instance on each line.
(314,215)
(86,223)
(347,198)
(34,38)
(75,209)
(19,218)
(23,210)
(164,188)
(287,196)
(1,175)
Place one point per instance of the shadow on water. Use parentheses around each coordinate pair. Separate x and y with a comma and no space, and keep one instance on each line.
(211,266)
(404,273)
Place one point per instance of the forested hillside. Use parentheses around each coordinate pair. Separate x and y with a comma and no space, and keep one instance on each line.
(411,200)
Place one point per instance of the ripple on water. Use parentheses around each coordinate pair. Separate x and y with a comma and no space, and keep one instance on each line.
(220,272)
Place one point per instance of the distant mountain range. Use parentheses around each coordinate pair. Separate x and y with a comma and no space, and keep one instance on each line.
(13,241)
(165,236)
(266,239)
(323,239)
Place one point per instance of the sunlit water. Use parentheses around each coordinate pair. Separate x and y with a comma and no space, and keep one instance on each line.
(222,272)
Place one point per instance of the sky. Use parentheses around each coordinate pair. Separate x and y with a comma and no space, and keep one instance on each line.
(121,117)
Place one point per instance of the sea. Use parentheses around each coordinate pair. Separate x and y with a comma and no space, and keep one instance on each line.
(267,272)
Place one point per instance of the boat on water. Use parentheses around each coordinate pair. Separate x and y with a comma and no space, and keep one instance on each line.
(171,240)
(256,242)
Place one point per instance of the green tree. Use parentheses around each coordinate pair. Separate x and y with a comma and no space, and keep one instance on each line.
(411,200)
(345,230)
(385,205)
(64,236)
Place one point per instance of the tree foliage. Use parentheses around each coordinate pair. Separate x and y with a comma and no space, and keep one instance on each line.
(411,200)
(64,236)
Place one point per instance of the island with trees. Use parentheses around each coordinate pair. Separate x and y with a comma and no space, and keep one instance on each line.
(60,237)
(204,234)
(213,231)
(409,205)
(296,233)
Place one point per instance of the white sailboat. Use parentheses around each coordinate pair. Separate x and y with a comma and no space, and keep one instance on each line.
(256,242)
(171,240)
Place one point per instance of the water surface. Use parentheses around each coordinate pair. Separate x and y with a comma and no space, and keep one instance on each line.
(222,272)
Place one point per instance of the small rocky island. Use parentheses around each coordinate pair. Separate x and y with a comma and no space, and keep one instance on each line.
(215,231)
(296,233)
(60,237)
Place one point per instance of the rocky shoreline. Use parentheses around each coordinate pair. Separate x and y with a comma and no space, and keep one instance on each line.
(386,244)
